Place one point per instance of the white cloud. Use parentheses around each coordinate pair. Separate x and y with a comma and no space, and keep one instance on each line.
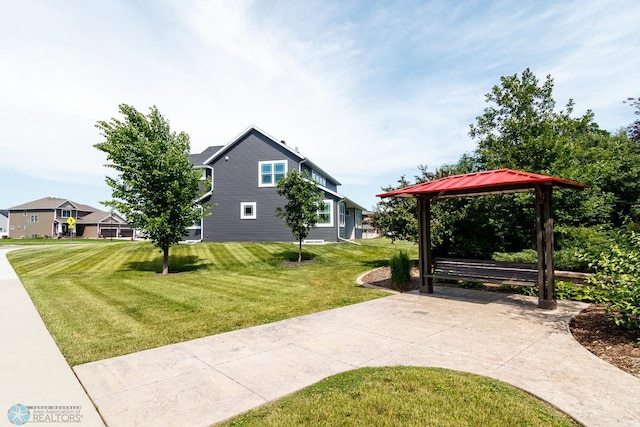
(366,91)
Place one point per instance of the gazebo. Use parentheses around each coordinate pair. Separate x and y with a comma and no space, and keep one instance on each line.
(494,182)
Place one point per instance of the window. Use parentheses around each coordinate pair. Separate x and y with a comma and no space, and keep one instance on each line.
(359,219)
(248,210)
(66,214)
(269,173)
(342,213)
(197,224)
(206,173)
(318,178)
(33,219)
(326,214)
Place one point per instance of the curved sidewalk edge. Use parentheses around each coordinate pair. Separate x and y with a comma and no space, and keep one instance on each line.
(501,336)
(33,372)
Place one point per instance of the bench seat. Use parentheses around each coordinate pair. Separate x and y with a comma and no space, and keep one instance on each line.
(497,272)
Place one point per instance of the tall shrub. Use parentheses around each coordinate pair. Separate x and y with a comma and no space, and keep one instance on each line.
(400,270)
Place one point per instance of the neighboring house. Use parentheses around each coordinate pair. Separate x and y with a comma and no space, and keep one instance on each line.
(4,223)
(368,230)
(243,176)
(49,216)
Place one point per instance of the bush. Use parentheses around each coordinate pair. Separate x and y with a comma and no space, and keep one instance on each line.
(528,255)
(618,276)
(400,270)
(572,244)
(569,291)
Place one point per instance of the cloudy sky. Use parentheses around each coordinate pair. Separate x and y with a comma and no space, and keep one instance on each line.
(366,89)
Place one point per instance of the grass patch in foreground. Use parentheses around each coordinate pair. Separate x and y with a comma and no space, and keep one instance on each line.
(105,300)
(406,396)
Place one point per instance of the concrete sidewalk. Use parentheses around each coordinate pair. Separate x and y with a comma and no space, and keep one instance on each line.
(33,372)
(507,337)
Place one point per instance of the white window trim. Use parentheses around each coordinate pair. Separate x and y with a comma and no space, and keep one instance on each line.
(253,205)
(358,220)
(273,171)
(330,223)
(33,219)
(342,214)
(62,211)
(197,226)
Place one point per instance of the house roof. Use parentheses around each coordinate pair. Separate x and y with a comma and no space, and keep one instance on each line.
(100,216)
(51,203)
(351,204)
(4,212)
(201,158)
(500,181)
(212,153)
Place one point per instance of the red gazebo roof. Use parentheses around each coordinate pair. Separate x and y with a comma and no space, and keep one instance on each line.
(500,181)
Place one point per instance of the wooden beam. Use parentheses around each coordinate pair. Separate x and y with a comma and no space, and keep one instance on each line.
(540,242)
(549,301)
(424,244)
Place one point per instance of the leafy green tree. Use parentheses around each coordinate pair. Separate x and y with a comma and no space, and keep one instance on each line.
(396,217)
(633,130)
(610,164)
(156,186)
(520,128)
(304,200)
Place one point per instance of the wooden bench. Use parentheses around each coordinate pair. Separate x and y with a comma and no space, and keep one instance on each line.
(497,272)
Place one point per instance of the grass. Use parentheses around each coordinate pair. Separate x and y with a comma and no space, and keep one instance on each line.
(106,299)
(40,242)
(406,396)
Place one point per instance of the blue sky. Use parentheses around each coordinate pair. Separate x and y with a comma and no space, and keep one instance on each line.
(367,90)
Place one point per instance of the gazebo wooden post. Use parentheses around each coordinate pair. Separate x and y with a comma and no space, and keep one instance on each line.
(550,297)
(424,244)
(544,244)
(540,242)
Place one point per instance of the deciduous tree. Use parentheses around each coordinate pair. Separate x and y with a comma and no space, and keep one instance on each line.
(156,186)
(304,200)
(633,130)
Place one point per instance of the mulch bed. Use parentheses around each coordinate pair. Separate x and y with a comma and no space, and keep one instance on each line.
(593,327)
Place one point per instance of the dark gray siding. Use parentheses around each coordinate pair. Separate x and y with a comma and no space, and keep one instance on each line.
(350,230)
(236,181)
(193,234)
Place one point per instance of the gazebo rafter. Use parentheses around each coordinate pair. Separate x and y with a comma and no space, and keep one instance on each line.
(494,182)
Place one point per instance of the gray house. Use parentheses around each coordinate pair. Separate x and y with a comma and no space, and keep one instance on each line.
(243,176)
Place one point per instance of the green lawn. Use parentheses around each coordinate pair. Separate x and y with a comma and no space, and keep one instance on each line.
(103,300)
(106,299)
(40,242)
(406,396)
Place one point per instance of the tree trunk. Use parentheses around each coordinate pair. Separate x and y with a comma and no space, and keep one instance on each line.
(165,261)
(299,251)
